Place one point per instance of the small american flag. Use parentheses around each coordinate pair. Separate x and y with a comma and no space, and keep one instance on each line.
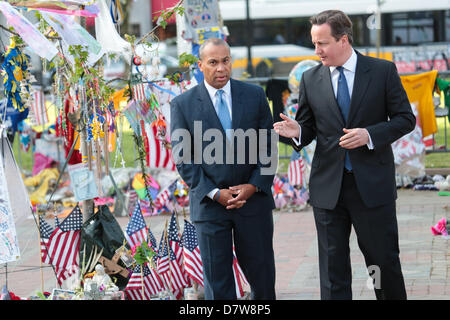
(153,244)
(64,244)
(278,185)
(136,231)
(152,283)
(152,241)
(174,238)
(162,262)
(132,198)
(170,269)
(239,277)
(45,232)
(191,253)
(139,92)
(164,199)
(39,111)
(296,169)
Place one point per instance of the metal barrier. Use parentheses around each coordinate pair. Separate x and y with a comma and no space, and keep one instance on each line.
(439,112)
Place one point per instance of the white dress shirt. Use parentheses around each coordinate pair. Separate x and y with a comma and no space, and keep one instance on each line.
(227,96)
(349,72)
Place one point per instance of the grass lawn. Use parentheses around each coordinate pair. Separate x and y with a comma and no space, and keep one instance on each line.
(432,160)
(440,159)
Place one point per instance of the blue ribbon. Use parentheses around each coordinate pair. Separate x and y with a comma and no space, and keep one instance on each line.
(162,89)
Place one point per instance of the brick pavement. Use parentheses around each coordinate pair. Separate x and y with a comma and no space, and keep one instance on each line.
(424,256)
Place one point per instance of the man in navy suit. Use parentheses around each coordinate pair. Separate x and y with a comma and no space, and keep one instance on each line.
(356,107)
(222,156)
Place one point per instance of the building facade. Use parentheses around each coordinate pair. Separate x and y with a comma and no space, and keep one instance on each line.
(403,22)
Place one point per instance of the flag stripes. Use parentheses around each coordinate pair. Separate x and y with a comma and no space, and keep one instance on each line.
(150,280)
(296,171)
(158,155)
(139,92)
(38,108)
(63,245)
(191,253)
(177,262)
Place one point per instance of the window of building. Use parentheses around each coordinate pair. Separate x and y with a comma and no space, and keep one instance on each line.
(270,31)
(412,28)
(447,25)
(300,32)
(135,29)
(238,33)
(359,24)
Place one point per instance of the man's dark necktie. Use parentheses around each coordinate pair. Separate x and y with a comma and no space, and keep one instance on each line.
(343,99)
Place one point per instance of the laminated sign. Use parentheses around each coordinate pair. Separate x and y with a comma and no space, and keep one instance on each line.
(200,14)
(83,182)
(28,32)
(9,244)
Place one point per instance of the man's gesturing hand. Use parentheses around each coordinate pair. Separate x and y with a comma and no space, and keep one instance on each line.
(288,128)
(354,138)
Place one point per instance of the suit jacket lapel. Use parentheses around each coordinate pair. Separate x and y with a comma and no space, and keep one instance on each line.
(326,88)
(237,104)
(207,108)
(360,85)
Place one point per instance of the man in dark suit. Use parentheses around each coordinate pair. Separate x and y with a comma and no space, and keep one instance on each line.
(230,190)
(355,106)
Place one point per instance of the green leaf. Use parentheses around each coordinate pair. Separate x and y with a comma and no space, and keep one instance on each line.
(41,295)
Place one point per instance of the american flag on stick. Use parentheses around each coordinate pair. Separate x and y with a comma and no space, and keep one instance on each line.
(64,244)
(191,253)
(132,198)
(296,170)
(169,268)
(136,231)
(174,238)
(164,199)
(143,277)
(45,231)
(239,278)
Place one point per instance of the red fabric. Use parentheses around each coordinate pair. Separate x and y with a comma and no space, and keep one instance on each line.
(159,5)
(13,296)
(68,134)
(145,140)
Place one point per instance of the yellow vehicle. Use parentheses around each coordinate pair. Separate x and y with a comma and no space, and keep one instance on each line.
(278,60)
(269,60)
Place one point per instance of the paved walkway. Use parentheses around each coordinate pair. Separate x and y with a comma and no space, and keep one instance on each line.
(424,257)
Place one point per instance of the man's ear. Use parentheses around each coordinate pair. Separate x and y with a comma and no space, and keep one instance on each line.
(199,63)
(345,39)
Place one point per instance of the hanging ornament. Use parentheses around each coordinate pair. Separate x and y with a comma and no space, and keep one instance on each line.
(137,61)
(95,127)
(14,71)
